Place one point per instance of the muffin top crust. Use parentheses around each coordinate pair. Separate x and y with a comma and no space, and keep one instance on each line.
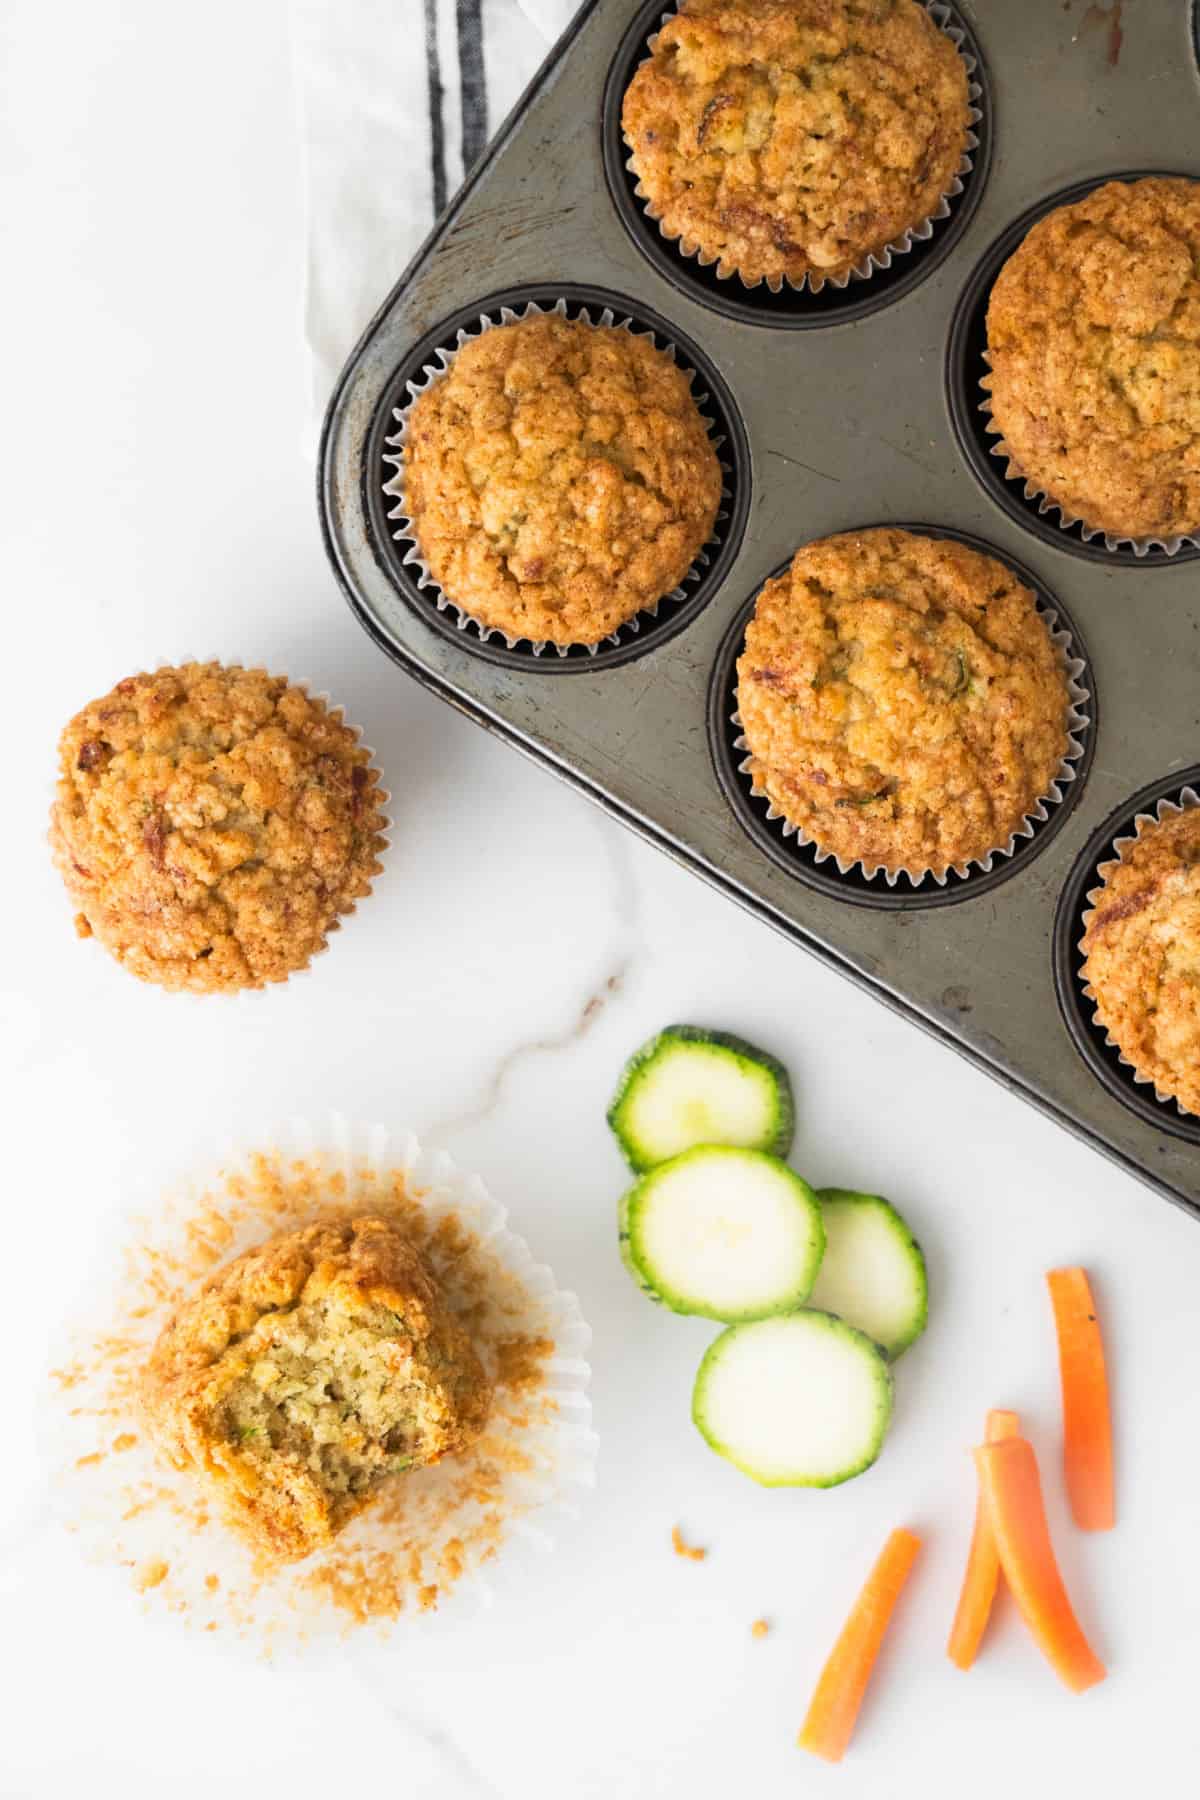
(789,138)
(1142,955)
(559,478)
(901,699)
(308,1370)
(1093,331)
(210,824)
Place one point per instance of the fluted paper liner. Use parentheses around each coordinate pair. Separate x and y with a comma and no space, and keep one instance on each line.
(1167,807)
(432,1539)
(874,260)
(404,531)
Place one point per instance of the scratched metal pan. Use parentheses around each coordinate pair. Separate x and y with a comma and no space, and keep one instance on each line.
(836,410)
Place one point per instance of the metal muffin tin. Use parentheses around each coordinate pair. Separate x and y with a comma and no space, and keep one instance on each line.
(838,410)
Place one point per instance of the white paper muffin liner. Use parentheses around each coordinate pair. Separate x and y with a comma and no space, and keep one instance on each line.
(472,1522)
(383,799)
(1169,807)
(404,531)
(1066,520)
(1078,723)
(874,260)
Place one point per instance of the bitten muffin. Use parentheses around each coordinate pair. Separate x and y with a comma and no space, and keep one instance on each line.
(1093,331)
(559,479)
(790,138)
(1142,955)
(211,823)
(902,700)
(306,1372)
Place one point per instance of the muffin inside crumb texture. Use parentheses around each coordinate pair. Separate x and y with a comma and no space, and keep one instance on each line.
(902,700)
(211,823)
(559,478)
(307,1371)
(1142,955)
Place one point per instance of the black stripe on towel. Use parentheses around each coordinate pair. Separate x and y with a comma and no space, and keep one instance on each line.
(437,129)
(472,82)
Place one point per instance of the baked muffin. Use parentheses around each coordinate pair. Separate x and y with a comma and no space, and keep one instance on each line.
(792,138)
(211,823)
(559,478)
(1142,955)
(901,699)
(305,1373)
(1093,331)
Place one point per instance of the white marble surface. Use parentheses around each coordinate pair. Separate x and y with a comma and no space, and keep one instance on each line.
(518,947)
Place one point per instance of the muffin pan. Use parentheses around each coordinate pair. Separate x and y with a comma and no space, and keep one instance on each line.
(837,410)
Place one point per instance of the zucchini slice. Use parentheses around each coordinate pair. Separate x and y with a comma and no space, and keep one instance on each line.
(873,1272)
(727,1234)
(688,1086)
(799,1401)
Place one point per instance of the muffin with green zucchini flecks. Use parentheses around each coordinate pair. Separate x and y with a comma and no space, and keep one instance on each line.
(306,1372)
(902,700)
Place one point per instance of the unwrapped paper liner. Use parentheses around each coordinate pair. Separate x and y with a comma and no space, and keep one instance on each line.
(449,1536)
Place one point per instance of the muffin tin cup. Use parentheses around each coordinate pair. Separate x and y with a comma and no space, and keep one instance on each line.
(400,521)
(968,377)
(246,995)
(153,1531)
(925,883)
(1077,909)
(873,262)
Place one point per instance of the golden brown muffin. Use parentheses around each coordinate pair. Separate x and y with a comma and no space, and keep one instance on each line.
(790,138)
(211,823)
(305,1373)
(559,479)
(1094,336)
(1142,955)
(901,699)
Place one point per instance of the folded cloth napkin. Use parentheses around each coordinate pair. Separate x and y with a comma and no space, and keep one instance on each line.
(397,98)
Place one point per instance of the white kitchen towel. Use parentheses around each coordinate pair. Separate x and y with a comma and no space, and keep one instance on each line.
(396,98)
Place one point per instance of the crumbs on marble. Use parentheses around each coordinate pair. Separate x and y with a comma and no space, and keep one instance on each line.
(693,1552)
(150,1574)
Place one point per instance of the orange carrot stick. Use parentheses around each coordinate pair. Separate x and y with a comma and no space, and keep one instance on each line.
(832,1712)
(1012,1492)
(983,1563)
(1087,1423)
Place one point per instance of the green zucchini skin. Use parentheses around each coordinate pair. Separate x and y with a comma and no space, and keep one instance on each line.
(875,1365)
(912,1315)
(627,1258)
(777,1139)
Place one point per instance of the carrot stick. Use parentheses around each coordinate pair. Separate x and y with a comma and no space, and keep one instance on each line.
(983,1563)
(1012,1493)
(832,1712)
(1087,1423)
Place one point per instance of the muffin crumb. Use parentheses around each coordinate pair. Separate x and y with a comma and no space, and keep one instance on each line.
(693,1552)
(760,1628)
